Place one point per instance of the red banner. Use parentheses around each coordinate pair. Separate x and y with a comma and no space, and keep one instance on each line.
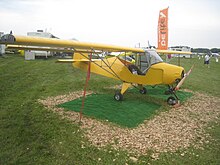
(163,29)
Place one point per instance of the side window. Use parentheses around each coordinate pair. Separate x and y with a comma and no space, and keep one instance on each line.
(144,61)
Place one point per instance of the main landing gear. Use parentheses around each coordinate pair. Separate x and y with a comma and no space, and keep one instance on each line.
(172,100)
(119,94)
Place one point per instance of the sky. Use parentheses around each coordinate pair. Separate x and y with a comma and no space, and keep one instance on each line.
(193,23)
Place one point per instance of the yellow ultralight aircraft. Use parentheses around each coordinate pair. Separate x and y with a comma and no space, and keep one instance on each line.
(149,68)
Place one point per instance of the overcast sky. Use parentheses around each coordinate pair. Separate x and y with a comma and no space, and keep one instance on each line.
(194,23)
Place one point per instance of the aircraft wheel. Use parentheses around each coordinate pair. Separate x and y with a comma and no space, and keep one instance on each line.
(171,100)
(143,91)
(118,96)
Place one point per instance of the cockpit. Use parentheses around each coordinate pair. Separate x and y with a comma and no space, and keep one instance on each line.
(146,59)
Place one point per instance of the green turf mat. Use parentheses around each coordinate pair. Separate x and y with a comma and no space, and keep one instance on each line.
(128,113)
(102,106)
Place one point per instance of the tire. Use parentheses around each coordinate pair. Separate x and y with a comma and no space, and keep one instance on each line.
(143,91)
(171,100)
(118,96)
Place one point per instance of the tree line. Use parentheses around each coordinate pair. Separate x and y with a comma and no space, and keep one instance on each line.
(205,50)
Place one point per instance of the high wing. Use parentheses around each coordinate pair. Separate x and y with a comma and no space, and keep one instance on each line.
(172,52)
(53,49)
(58,43)
(52,44)
(24,47)
(77,60)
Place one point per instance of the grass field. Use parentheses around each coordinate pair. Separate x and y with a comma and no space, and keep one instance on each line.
(30,134)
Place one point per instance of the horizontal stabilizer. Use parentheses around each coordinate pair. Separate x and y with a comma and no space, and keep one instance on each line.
(65,61)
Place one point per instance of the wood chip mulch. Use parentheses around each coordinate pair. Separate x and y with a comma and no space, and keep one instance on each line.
(178,128)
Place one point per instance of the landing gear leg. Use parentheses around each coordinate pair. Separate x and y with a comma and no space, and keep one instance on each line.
(169,91)
(173,100)
(119,95)
(142,89)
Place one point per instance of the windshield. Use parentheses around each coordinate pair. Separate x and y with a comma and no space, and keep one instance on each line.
(154,57)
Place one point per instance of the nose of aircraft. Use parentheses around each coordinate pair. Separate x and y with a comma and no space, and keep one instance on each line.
(176,73)
(173,74)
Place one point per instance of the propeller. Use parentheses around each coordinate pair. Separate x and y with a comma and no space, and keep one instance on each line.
(183,79)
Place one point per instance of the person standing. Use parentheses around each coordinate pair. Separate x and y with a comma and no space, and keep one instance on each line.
(216,59)
(206,60)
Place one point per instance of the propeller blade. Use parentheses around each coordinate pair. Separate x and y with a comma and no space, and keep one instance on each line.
(183,79)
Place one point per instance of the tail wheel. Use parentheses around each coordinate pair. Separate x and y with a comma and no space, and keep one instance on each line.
(171,100)
(143,90)
(118,96)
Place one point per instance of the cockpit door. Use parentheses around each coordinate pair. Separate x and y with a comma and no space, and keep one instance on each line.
(143,61)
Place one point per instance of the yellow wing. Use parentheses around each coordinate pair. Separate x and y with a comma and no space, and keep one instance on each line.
(172,52)
(77,60)
(58,43)
(53,44)
(24,47)
(53,49)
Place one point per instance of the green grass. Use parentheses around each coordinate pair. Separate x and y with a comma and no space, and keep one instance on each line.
(29,134)
(202,79)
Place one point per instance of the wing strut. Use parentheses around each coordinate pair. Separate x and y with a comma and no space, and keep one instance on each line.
(85,87)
